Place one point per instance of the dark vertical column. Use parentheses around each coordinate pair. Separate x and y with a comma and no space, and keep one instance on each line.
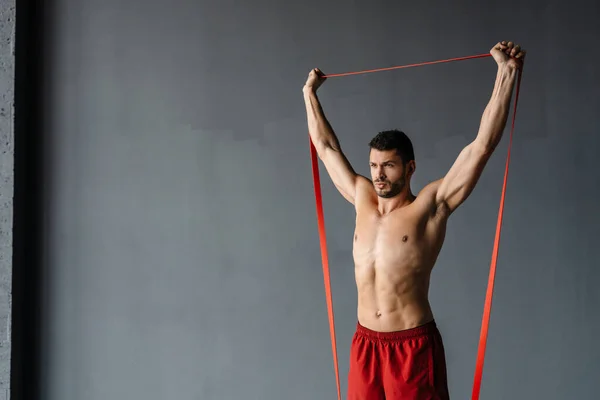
(29,123)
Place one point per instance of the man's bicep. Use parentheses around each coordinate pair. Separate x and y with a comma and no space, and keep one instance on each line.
(340,171)
(462,177)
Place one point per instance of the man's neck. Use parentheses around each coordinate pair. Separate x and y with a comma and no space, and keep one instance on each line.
(386,206)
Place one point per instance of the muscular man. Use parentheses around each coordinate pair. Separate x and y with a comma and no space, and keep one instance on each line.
(397,350)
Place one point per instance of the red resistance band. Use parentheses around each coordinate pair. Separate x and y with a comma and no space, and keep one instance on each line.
(491,279)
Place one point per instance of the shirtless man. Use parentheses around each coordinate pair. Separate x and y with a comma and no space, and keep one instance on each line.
(397,351)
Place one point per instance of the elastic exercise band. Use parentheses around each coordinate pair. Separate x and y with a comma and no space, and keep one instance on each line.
(323,241)
(325,259)
(490,290)
(367,71)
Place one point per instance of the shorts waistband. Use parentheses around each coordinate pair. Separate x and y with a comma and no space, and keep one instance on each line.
(428,328)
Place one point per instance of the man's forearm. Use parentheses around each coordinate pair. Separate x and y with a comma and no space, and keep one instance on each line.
(319,128)
(495,114)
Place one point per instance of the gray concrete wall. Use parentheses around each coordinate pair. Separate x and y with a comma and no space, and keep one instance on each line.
(7,74)
(182,248)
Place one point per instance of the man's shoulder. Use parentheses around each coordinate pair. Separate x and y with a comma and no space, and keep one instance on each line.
(363,180)
(429,192)
(364,186)
(365,193)
(427,199)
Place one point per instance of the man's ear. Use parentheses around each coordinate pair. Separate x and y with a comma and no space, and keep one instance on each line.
(411,167)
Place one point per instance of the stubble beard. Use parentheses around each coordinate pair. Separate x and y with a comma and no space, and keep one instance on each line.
(395,189)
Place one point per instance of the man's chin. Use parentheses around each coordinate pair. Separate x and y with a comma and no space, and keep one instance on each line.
(385,194)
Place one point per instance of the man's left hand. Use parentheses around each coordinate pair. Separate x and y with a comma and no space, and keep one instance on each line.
(509,54)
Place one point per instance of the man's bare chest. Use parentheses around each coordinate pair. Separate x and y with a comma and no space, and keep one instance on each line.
(396,236)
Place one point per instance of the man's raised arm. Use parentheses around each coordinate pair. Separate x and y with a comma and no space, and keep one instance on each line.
(325,141)
(462,177)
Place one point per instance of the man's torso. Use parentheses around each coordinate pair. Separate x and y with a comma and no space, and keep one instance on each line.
(394,254)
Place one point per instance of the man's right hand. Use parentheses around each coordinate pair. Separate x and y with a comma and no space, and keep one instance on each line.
(315,80)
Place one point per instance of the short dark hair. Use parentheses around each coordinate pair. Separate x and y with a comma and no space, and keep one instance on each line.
(394,140)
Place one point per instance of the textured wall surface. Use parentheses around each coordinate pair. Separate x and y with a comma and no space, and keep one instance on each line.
(182,249)
(7,65)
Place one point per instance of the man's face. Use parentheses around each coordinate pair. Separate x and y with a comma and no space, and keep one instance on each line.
(387,172)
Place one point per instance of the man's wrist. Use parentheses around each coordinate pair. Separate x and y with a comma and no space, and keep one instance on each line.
(308,90)
(507,67)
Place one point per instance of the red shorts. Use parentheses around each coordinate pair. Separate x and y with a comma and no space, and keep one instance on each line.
(408,365)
